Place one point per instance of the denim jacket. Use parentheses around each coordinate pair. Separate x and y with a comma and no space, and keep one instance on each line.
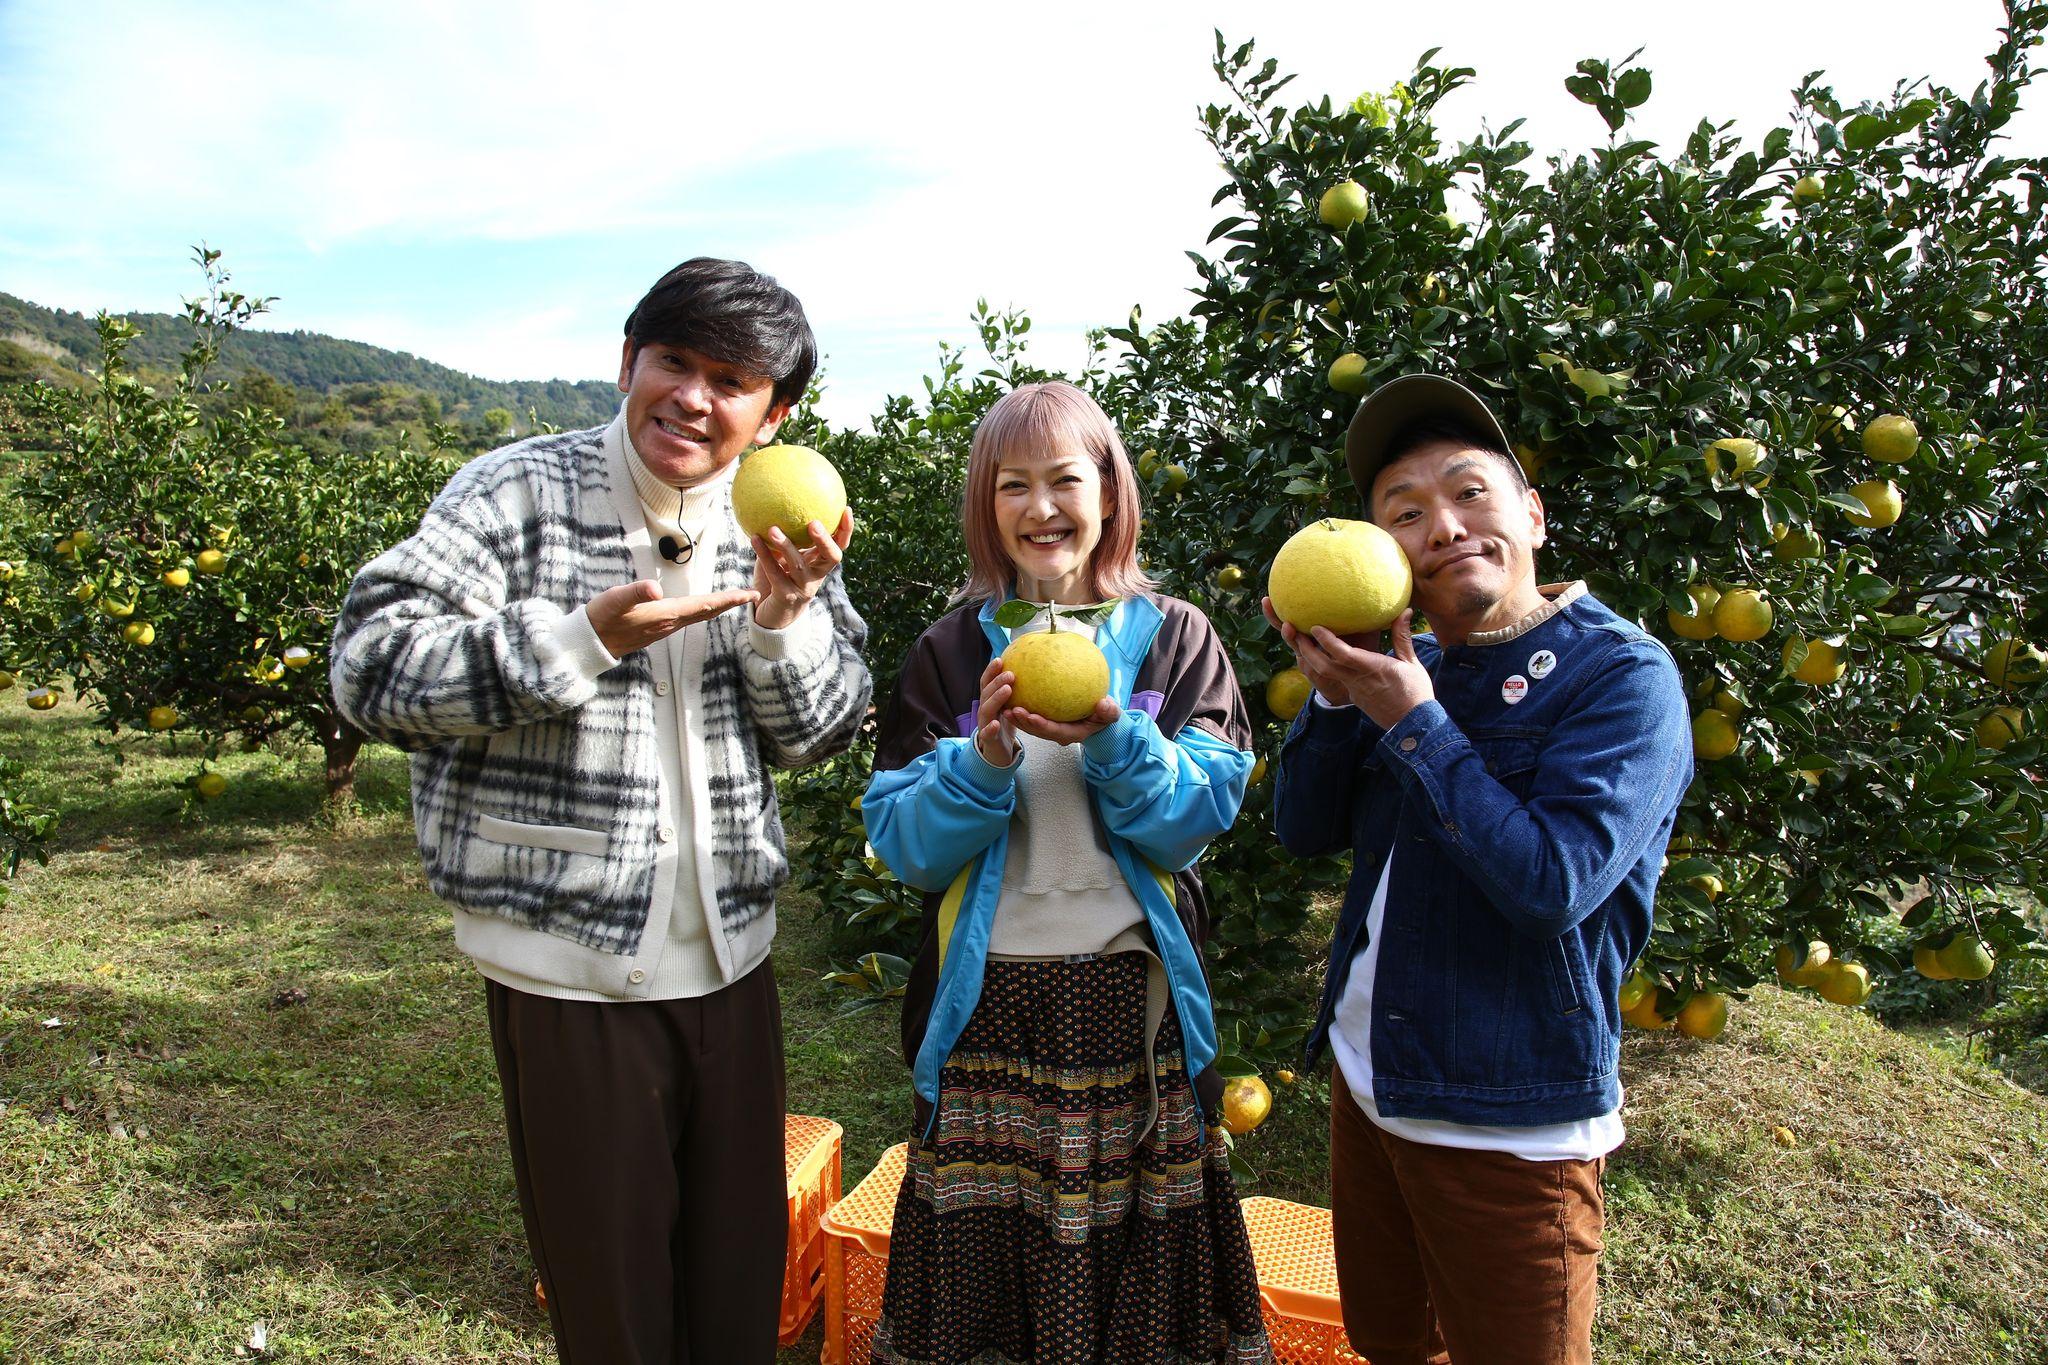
(1526,809)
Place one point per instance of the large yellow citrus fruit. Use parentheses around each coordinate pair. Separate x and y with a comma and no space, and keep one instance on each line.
(1176,478)
(162,717)
(1822,665)
(1845,983)
(210,561)
(1347,575)
(139,633)
(6,680)
(1229,578)
(1633,988)
(1891,439)
(1645,1015)
(1738,455)
(297,656)
(2013,661)
(1287,692)
(41,698)
(1246,1102)
(1966,958)
(2000,727)
(1060,674)
(1808,189)
(1699,624)
(787,487)
(1927,962)
(210,785)
(1808,973)
(1347,373)
(178,577)
(1713,735)
(1882,503)
(1742,615)
(1790,543)
(1343,204)
(1703,1016)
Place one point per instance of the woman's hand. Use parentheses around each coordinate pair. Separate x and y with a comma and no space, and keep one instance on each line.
(1064,731)
(995,736)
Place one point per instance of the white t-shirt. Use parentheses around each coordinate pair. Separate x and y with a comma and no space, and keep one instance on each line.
(1351,1042)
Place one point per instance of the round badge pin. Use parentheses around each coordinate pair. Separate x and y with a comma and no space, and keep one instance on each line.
(1514,689)
(1540,664)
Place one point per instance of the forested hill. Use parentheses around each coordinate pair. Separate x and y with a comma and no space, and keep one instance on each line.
(34,338)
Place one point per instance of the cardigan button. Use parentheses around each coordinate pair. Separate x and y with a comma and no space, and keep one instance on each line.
(636,976)
(661,689)
(665,833)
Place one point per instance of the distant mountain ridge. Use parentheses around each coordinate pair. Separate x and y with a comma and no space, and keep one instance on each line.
(311,361)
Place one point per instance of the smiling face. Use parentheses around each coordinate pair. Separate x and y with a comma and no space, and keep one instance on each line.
(1470,531)
(1048,513)
(690,416)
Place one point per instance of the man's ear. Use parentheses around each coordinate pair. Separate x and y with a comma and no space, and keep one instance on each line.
(1536,517)
(766,432)
(626,366)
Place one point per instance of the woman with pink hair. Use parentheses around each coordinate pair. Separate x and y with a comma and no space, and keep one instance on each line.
(1068,1195)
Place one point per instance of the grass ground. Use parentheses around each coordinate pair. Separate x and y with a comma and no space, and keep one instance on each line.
(244,1078)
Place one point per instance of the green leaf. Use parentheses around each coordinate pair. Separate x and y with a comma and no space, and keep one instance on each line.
(1870,590)
(1017,612)
(1633,87)
(1864,132)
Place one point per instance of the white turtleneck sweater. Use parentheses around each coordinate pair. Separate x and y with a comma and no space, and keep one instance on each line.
(688,964)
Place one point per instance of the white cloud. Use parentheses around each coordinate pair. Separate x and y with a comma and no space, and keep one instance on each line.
(892,163)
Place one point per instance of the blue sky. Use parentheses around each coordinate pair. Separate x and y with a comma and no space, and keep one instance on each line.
(491,186)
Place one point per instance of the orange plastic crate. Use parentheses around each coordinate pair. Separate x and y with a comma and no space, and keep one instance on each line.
(856,1257)
(1297,1270)
(810,1156)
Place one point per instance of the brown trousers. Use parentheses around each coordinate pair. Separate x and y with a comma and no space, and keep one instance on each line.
(647,1147)
(1446,1255)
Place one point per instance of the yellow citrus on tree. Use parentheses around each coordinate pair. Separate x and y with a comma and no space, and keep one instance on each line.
(209,785)
(1713,735)
(1845,983)
(1347,373)
(1808,189)
(210,561)
(1704,1015)
(1698,624)
(1738,455)
(1790,543)
(1287,691)
(1891,439)
(1882,503)
(1343,204)
(139,633)
(162,717)
(1966,958)
(2000,727)
(297,656)
(2013,661)
(1822,665)
(1742,615)
(1792,971)
(178,577)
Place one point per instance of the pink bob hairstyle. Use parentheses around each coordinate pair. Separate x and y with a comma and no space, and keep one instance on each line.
(1040,419)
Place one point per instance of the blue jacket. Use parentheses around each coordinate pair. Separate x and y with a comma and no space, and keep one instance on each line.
(1526,840)
(1166,778)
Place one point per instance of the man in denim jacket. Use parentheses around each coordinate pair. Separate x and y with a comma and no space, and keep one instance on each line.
(1506,785)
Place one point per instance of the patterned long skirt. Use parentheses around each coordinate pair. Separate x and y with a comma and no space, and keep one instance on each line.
(1036,1224)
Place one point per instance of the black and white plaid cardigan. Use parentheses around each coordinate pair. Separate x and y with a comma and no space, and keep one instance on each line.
(447,647)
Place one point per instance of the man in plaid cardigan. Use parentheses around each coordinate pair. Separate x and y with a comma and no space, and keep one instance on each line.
(593,669)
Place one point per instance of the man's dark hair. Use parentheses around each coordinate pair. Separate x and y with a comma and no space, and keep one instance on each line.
(1437,426)
(732,313)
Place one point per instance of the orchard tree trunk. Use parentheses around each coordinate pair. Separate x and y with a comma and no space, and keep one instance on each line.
(341,742)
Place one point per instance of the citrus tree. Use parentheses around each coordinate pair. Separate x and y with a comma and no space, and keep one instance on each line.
(1775,394)
(182,572)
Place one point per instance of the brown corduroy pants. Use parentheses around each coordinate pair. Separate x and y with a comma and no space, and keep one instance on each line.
(647,1147)
(1446,1255)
